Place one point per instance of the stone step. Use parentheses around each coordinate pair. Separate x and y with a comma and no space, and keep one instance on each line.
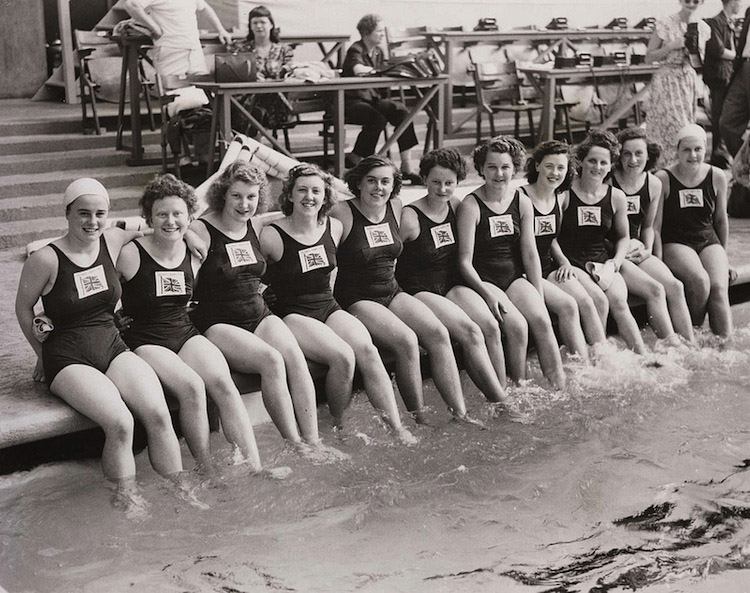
(68,122)
(48,205)
(30,163)
(19,233)
(43,143)
(14,186)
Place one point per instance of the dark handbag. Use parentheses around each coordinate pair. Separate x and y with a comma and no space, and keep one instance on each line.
(236,67)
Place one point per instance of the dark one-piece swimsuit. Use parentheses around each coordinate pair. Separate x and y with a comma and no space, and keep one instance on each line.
(585,230)
(497,246)
(81,306)
(546,229)
(156,298)
(228,285)
(429,263)
(689,214)
(367,260)
(301,280)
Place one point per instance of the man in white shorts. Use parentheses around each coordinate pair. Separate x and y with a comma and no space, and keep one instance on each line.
(174,27)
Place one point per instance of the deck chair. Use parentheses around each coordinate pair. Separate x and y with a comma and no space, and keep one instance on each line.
(96,56)
(499,90)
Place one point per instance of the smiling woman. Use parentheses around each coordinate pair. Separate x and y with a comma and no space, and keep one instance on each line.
(84,360)
(158,273)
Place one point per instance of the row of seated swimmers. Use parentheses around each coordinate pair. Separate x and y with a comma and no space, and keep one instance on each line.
(490,272)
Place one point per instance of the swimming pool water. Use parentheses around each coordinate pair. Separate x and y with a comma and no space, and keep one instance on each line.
(636,477)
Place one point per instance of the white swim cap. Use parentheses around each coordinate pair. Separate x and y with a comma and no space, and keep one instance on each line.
(691,131)
(85,186)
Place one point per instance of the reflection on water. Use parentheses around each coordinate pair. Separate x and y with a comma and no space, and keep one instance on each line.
(635,477)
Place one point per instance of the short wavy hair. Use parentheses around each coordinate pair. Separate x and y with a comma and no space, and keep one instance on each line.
(164,186)
(545,149)
(258,13)
(448,158)
(653,150)
(602,139)
(307,170)
(368,23)
(237,171)
(355,175)
(500,145)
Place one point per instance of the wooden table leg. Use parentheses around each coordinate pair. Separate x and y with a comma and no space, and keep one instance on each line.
(339,134)
(136,141)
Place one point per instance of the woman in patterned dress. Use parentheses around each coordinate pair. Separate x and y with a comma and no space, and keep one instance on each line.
(271,59)
(674,87)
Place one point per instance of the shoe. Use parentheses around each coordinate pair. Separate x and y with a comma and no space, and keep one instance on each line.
(411,178)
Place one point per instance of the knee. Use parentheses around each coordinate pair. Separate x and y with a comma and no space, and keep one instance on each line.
(515,329)
(271,362)
(193,395)
(406,344)
(470,335)
(343,360)
(655,292)
(120,430)
(367,355)
(600,302)
(674,289)
(436,336)
(490,330)
(719,285)
(568,311)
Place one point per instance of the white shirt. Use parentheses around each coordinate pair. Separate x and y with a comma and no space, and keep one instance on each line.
(178,22)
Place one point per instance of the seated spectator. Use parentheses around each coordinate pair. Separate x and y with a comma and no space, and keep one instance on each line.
(271,57)
(367,107)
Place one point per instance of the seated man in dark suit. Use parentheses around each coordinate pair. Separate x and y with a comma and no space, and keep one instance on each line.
(717,72)
(367,107)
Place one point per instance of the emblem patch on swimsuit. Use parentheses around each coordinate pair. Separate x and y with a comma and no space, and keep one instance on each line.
(589,215)
(545,225)
(442,235)
(241,254)
(501,225)
(634,204)
(313,258)
(691,198)
(379,235)
(170,283)
(90,281)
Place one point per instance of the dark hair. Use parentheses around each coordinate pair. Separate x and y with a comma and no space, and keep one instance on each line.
(545,149)
(602,139)
(653,150)
(448,158)
(307,170)
(500,145)
(367,24)
(355,176)
(237,171)
(257,13)
(164,186)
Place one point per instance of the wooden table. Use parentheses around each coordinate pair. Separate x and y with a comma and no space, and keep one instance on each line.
(450,42)
(133,46)
(546,79)
(429,91)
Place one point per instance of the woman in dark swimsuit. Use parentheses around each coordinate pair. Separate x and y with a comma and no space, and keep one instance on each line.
(232,313)
(428,269)
(594,214)
(645,274)
(499,260)
(83,360)
(695,230)
(157,273)
(301,253)
(366,286)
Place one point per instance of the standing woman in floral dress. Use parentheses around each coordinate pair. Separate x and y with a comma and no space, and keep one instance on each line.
(674,87)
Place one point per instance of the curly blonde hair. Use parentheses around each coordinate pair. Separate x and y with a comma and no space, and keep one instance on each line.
(238,171)
(307,170)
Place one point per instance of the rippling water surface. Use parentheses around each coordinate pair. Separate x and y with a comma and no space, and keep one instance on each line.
(637,477)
